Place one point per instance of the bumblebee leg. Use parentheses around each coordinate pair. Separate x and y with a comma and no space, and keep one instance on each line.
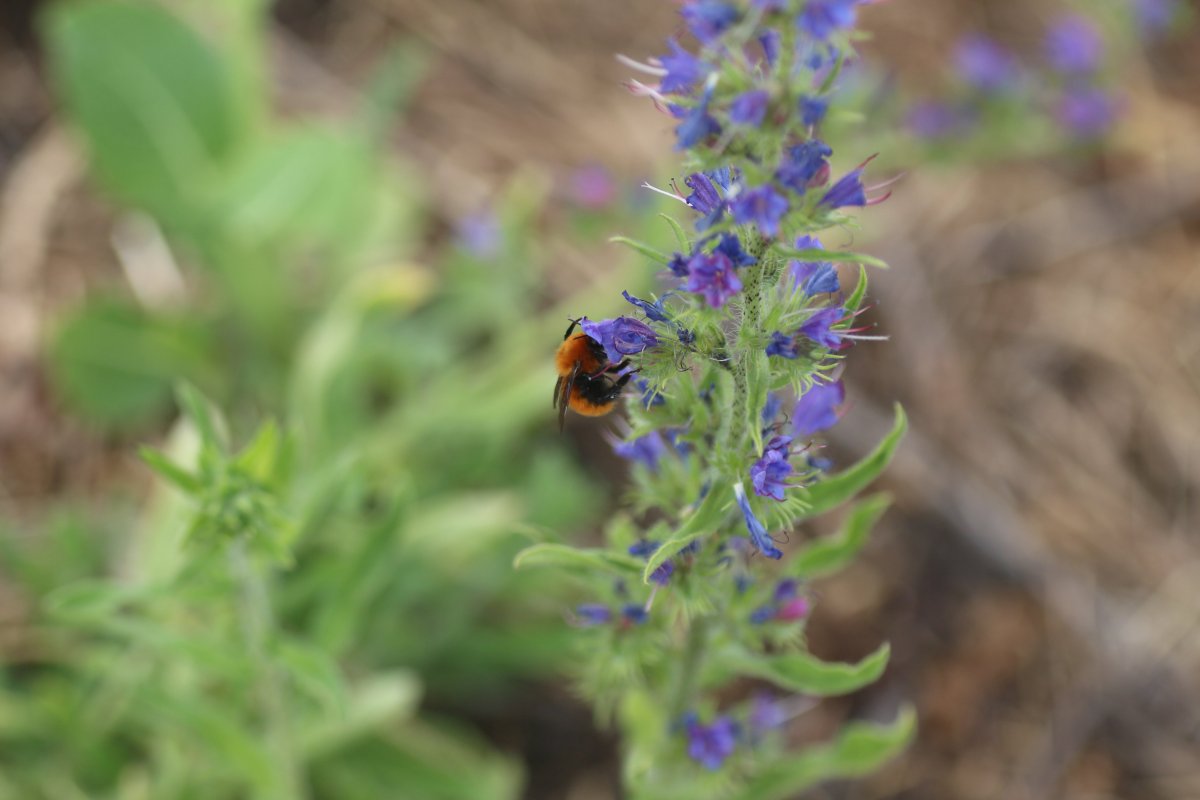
(617,386)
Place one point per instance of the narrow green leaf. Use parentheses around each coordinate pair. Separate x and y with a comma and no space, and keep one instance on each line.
(860,749)
(260,455)
(561,555)
(202,414)
(807,674)
(680,235)
(860,290)
(839,256)
(703,520)
(837,489)
(826,556)
(171,471)
(641,247)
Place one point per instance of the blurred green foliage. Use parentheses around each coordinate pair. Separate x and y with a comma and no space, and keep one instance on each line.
(269,621)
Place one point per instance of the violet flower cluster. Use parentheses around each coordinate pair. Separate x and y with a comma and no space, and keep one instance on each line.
(738,361)
(1068,81)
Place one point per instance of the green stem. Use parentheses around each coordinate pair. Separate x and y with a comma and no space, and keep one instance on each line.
(257,628)
(689,669)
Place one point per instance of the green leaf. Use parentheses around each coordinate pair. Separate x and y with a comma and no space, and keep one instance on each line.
(703,520)
(859,749)
(644,249)
(680,235)
(203,414)
(838,256)
(838,489)
(378,701)
(260,457)
(860,290)
(153,100)
(115,363)
(826,556)
(171,471)
(561,555)
(807,674)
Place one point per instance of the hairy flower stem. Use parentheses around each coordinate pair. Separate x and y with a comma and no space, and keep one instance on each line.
(257,626)
(748,333)
(689,669)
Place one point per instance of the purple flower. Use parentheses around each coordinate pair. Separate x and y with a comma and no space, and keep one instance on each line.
(820,18)
(770,472)
(678,265)
(592,187)
(644,548)
(646,450)
(758,534)
(622,336)
(812,110)
(766,714)
(479,234)
(929,119)
(805,166)
(771,408)
(770,5)
(786,589)
(1073,45)
(635,614)
(819,326)
(662,574)
(749,108)
(783,346)
(813,277)
(763,206)
(705,196)
(714,276)
(697,124)
(984,64)
(593,614)
(762,614)
(817,409)
(792,610)
(650,397)
(770,41)
(708,19)
(731,248)
(710,745)
(848,191)
(684,70)
(1155,16)
(653,311)
(1087,112)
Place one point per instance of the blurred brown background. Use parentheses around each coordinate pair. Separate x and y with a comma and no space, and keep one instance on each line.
(1039,577)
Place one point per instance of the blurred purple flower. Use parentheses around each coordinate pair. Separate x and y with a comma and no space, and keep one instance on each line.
(593,614)
(930,119)
(1073,45)
(479,234)
(592,187)
(684,70)
(817,409)
(710,745)
(749,108)
(984,64)
(812,110)
(821,18)
(783,346)
(805,166)
(813,277)
(731,247)
(708,19)
(1087,112)
(645,450)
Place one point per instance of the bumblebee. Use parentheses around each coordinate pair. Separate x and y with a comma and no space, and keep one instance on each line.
(585,376)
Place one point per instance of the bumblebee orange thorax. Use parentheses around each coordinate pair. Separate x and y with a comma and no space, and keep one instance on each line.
(583,349)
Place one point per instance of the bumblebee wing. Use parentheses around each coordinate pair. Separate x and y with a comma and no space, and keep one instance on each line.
(564,396)
(557,392)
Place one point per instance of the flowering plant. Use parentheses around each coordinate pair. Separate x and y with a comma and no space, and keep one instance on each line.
(737,366)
